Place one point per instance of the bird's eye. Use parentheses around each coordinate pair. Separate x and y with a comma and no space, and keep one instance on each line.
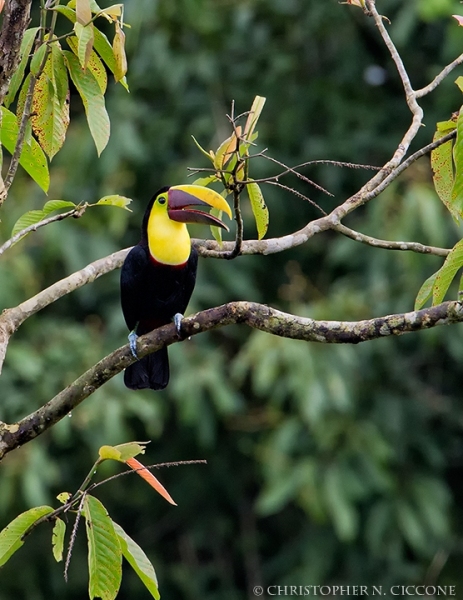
(162,200)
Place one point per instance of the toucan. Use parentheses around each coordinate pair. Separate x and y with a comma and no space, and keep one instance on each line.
(158,276)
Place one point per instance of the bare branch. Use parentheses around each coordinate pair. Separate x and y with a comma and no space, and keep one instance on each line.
(254,315)
(387,245)
(439,78)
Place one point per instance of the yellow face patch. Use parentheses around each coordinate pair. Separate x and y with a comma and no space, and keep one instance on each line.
(168,241)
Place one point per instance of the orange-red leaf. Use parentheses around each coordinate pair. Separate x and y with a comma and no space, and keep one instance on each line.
(150,478)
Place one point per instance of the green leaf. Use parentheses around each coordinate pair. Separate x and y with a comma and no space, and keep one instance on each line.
(18,75)
(216,231)
(31,217)
(85,40)
(50,108)
(38,58)
(425,292)
(459,82)
(104,551)
(457,191)
(115,200)
(53,205)
(11,538)
(32,159)
(57,540)
(259,208)
(442,169)
(138,560)
(35,216)
(93,101)
(205,181)
(446,274)
(94,64)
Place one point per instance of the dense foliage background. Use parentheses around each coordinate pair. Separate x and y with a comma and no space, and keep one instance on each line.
(326,464)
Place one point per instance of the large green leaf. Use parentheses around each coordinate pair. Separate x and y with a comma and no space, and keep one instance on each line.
(18,75)
(259,208)
(32,159)
(93,101)
(50,106)
(442,169)
(457,191)
(104,551)
(447,272)
(138,560)
(11,538)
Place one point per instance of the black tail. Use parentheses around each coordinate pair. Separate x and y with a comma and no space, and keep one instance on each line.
(152,371)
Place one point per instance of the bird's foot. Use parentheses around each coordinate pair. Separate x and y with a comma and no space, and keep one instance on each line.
(178,318)
(133,343)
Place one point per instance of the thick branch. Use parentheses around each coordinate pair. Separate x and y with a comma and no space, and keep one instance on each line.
(252,314)
(15,21)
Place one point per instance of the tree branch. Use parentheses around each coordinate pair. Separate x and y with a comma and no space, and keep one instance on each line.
(257,316)
(15,21)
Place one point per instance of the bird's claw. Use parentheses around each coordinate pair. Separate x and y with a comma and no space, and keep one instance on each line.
(178,317)
(133,343)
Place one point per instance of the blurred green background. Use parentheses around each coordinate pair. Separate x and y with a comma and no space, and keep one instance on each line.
(326,464)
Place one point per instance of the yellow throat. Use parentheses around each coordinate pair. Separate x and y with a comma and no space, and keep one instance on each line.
(168,241)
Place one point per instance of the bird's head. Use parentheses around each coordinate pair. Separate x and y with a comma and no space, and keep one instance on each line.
(168,212)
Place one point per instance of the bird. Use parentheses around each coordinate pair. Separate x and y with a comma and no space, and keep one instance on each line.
(159,273)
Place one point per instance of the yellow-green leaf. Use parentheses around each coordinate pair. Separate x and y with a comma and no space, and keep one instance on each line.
(32,158)
(85,40)
(425,292)
(38,58)
(109,453)
(259,208)
(130,449)
(442,169)
(50,108)
(446,274)
(53,205)
(138,560)
(18,75)
(119,53)
(92,99)
(104,551)
(94,64)
(11,538)
(115,200)
(253,117)
(57,540)
(63,497)
(457,191)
